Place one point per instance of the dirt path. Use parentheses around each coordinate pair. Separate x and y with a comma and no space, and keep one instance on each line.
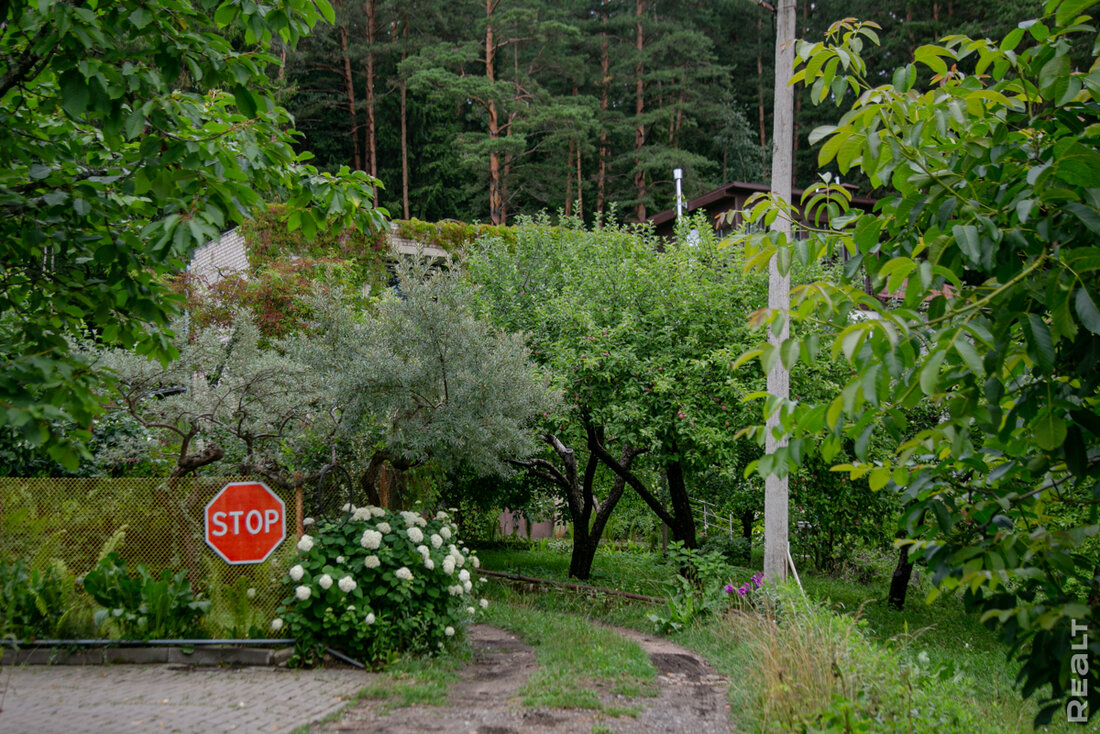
(691,697)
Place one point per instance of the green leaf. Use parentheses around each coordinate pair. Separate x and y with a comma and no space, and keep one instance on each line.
(1087,311)
(246,103)
(969,355)
(1041,342)
(1068,10)
(39,171)
(879,478)
(74,92)
(969,243)
(1052,72)
(1049,430)
(930,373)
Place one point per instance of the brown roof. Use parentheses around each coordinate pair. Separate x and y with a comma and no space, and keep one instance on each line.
(731,190)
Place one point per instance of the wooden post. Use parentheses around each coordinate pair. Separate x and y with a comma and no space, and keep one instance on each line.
(779,285)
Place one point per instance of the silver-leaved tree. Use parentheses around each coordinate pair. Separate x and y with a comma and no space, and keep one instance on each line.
(417,378)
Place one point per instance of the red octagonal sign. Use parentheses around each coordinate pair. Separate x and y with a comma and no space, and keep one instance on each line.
(245,522)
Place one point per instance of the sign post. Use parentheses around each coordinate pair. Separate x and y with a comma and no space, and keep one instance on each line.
(245,522)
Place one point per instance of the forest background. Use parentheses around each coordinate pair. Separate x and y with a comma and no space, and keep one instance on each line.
(483,110)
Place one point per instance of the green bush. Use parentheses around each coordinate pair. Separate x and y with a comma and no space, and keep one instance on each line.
(143,607)
(378,585)
(736,550)
(32,603)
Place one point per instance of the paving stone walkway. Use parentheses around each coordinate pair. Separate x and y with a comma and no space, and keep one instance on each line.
(163,698)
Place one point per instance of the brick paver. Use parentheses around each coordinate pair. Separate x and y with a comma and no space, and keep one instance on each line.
(162,698)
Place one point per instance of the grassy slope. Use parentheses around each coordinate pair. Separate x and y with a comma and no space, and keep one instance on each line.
(940,650)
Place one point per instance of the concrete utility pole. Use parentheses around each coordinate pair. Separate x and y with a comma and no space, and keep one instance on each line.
(776,546)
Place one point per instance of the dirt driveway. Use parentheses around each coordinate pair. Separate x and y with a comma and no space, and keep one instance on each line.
(691,697)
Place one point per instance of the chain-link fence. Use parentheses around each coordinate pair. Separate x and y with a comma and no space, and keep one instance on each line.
(151,521)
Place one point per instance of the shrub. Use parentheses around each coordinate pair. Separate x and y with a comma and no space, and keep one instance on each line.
(32,603)
(144,607)
(377,585)
(736,550)
(698,590)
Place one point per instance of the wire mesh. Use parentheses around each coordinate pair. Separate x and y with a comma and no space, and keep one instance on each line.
(152,521)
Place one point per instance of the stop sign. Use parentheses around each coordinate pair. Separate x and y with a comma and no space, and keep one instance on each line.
(245,522)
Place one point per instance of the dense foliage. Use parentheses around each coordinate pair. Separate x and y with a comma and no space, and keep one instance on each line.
(986,260)
(377,585)
(130,133)
(585,104)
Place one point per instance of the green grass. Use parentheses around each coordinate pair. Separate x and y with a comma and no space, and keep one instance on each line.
(415,681)
(578,661)
(933,661)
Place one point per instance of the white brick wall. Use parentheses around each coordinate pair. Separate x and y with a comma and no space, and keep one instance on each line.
(220,258)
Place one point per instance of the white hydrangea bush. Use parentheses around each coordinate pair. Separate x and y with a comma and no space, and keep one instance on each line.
(379,585)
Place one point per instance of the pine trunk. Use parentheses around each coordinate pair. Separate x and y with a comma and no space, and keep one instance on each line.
(404,127)
(639,110)
(605,152)
(349,92)
(371,149)
(496,198)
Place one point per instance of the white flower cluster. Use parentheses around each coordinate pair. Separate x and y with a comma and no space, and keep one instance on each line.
(303,593)
(361,513)
(484,603)
(384,528)
(415,535)
(276,624)
(372,562)
(369,619)
(442,516)
(305,543)
(437,540)
(325,582)
(296,572)
(371,539)
(445,532)
(403,573)
(347,584)
(410,518)
(449,565)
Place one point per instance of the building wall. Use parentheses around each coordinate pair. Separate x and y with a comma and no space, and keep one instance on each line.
(220,258)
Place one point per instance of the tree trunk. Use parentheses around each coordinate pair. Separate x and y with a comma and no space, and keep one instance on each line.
(899,582)
(496,199)
(349,91)
(605,152)
(569,182)
(583,553)
(683,524)
(371,151)
(404,128)
(639,109)
(748,517)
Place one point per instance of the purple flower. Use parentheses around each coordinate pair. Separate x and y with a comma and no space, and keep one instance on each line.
(743,590)
(729,588)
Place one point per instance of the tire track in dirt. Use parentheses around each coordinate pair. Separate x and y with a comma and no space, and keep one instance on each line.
(691,697)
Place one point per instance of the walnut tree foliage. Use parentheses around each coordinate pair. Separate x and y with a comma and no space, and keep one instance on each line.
(132,132)
(985,254)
